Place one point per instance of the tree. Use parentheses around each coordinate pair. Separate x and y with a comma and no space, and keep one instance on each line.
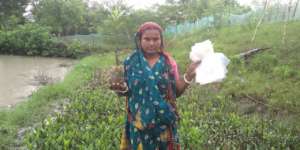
(295,9)
(94,18)
(65,17)
(179,11)
(115,28)
(11,12)
(121,23)
(286,19)
(260,20)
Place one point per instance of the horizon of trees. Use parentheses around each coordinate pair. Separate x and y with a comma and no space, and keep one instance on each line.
(117,22)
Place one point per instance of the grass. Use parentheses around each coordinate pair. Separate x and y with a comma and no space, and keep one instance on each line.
(277,68)
(258,91)
(254,108)
(40,104)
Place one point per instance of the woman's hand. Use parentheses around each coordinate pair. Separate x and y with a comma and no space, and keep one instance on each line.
(191,70)
(116,80)
(189,75)
(118,85)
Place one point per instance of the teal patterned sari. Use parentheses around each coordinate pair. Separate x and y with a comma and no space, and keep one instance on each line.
(152,118)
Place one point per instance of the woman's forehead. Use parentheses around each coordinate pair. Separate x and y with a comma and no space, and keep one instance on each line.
(151,31)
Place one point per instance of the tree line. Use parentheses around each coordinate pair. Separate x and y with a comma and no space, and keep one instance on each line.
(69,17)
(113,19)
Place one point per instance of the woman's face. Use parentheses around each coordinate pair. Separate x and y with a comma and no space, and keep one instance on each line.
(151,41)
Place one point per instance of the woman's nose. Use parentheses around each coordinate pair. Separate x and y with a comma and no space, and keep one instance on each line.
(151,42)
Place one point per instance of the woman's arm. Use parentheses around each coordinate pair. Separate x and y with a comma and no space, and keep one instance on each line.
(180,86)
(183,82)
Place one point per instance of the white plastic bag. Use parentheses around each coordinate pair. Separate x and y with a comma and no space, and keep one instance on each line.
(200,50)
(213,65)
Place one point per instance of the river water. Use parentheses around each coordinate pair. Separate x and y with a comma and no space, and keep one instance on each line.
(22,75)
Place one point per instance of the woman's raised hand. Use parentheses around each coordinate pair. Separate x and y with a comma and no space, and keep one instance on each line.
(191,70)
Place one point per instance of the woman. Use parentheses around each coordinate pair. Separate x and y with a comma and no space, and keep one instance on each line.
(151,86)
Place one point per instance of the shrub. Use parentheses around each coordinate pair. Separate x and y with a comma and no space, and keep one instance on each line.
(33,39)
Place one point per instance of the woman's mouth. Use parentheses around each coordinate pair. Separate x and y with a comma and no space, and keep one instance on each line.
(151,51)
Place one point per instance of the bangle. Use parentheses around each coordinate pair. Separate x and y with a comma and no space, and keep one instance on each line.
(185,80)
